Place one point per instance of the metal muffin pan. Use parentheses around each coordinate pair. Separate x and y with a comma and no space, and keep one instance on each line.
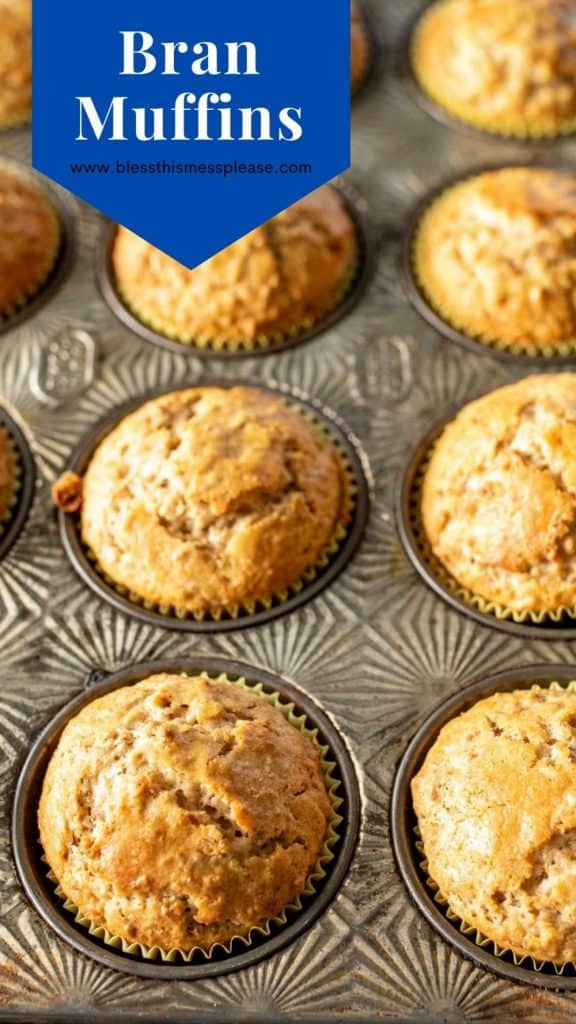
(405,496)
(77,553)
(108,287)
(420,301)
(376,650)
(12,528)
(403,823)
(33,871)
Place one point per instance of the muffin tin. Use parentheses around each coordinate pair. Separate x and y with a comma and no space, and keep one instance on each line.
(375,651)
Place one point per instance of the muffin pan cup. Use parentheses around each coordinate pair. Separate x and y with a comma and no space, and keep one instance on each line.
(351,293)
(65,210)
(421,303)
(24,469)
(410,860)
(307,587)
(535,626)
(441,114)
(33,872)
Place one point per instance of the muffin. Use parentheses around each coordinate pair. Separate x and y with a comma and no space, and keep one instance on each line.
(508,68)
(496,257)
(180,812)
(29,240)
(278,280)
(7,478)
(499,495)
(15,61)
(211,498)
(506,768)
(359,48)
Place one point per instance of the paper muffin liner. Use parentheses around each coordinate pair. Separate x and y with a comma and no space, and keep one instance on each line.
(53,251)
(467,114)
(237,611)
(332,781)
(560,349)
(449,582)
(262,341)
(15,478)
(470,931)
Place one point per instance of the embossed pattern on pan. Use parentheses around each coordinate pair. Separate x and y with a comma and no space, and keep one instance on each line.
(409,858)
(24,496)
(352,294)
(423,306)
(337,560)
(33,872)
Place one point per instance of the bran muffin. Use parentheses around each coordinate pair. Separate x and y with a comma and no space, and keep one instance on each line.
(506,768)
(496,257)
(211,498)
(274,282)
(15,61)
(359,48)
(29,240)
(499,495)
(508,68)
(180,812)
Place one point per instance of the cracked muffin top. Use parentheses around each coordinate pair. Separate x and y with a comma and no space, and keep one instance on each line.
(499,495)
(507,67)
(180,811)
(210,498)
(496,256)
(506,768)
(359,47)
(29,239)
(15,61)
(283,276)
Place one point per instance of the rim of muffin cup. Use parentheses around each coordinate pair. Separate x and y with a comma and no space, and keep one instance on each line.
(407,848)
(529,354)
(333,560)
(348,297)
(23,469)
(543,625)
(441,114)
(64,207)
(323,882)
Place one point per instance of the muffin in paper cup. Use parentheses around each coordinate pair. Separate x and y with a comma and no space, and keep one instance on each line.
(246,937)
(15,62)
(30,240)
(265,291)
(493,256)
(324,467)
(10,477)
(502,723)
(360,50)
(504,69)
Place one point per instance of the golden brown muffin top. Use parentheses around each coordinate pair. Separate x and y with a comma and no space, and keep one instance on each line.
(499,495)
(6,473)
(284,275)
(359,52)
(212,497)
(29,236)
(507,66)
(182,811)
(496,255)
(496,810)
(15,61)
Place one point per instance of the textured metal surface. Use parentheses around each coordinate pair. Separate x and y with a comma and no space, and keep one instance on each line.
(377,649)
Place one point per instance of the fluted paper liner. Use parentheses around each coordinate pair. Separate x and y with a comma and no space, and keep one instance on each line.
(350,488)
(330,776)
(468,597)
(259,342)
(15,478)
(468,930)
(467,113)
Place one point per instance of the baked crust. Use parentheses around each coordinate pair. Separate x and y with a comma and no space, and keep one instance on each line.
(496,256)
(181,811)
(359,47)
(15,61)
(508,67)
(283,276)
(499,495)
(29,239)
(211,497)
(506,768)
(6,474)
